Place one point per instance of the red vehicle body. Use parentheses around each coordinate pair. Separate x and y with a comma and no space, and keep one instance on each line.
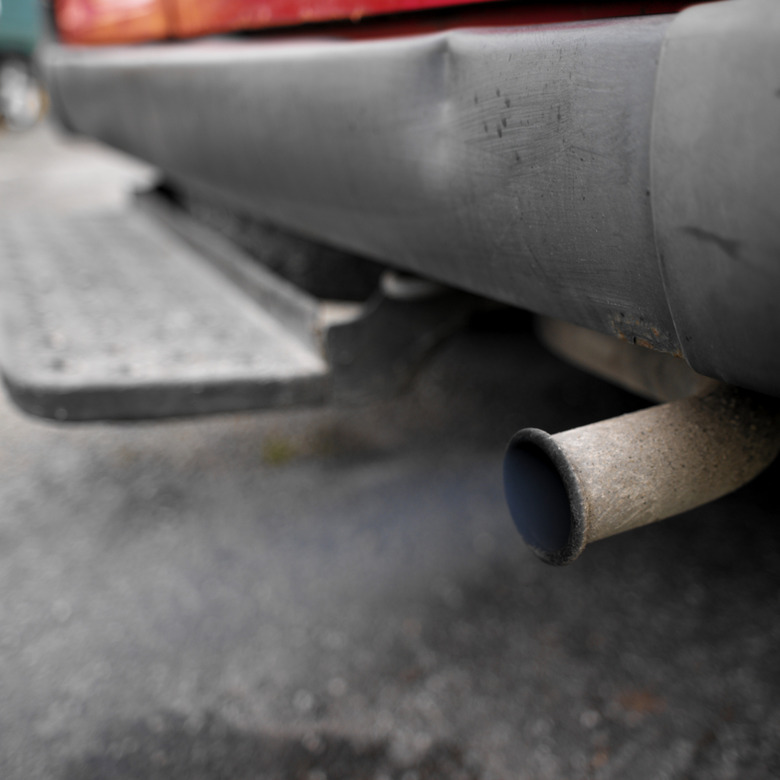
(126,21)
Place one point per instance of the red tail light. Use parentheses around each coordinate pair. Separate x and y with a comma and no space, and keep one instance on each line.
(112,21)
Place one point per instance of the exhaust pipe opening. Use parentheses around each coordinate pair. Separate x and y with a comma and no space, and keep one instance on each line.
(575,487)
(543,497)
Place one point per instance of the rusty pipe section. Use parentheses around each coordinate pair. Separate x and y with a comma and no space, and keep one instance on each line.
(656,376)
(572,488)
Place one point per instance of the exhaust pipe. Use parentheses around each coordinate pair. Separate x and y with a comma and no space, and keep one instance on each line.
(570,489)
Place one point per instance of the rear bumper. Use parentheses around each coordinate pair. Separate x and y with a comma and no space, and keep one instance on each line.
(623,175)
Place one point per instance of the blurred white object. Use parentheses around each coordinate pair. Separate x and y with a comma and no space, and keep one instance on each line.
(21,95)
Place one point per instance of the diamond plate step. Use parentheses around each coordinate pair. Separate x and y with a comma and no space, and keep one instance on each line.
(113,317)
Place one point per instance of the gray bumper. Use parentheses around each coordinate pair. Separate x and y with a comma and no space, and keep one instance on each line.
(544,167)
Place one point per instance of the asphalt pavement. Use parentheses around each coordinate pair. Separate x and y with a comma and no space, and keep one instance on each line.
(339,594)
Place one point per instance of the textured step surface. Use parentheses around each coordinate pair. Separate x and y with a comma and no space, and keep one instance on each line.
(111,317)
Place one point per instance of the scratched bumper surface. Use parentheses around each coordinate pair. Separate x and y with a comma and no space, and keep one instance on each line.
(515,163)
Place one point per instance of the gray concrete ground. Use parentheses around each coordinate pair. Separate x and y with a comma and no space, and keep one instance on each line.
(340,594)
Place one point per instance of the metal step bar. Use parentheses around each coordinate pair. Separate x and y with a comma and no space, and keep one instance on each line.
(146,314)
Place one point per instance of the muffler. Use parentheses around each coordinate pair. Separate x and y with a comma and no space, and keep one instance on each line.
(569,489)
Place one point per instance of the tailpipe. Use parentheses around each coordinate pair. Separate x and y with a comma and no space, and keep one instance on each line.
(567,490)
